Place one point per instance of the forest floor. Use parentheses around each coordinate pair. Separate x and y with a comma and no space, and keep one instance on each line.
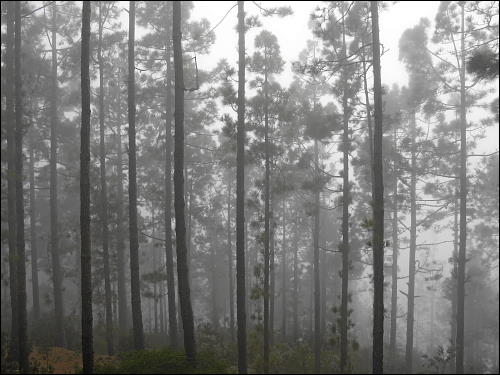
(58,360)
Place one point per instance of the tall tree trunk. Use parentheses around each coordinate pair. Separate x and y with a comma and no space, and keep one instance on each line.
(296,277)
(230,260)
(272,274)
(413,238)
(20,248)
(86,253)
(133,234)
(453,324)
(241,280)
(378,205)
(154,269)
(60,339)
(345,220)
(104,194)
(463,207)
(33,233)
(11,178)
(317,302)
(283,273)
(122,292)
(266,228)
(213,276)
(394,270)
(180,224)
(172,310)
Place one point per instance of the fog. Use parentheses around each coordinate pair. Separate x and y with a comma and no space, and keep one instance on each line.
(250,187)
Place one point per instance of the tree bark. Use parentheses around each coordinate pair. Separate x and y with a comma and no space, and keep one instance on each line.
(463,208)
(172,309)
(11,178)
(133,234)
(395,253)
(104,194)
(230,260)
(296,277)
(284,273)
(345,220)
(266,229)
(240,199)
(413,241)
(60,339)
(378,205)
(33,233)
(20,248)
(86,253)
(122,292)
(180,224)
(317,302)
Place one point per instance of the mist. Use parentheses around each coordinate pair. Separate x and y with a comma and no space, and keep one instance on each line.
(250,187)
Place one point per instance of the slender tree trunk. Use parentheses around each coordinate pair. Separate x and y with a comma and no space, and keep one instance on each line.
(413,238)
(60,339)
(21,265)
(86,253)
(104,194)
(155,262)
(345,221)
(162,311)
(453,325)
(11,179)
(394,270)
(33,233)
(230,260)
(317,286)
(272,274)
(284,273)
(213,276)
(463,208)
(296,277)
(241,236)
(378,206)
(133,234)
(122,292)
(266,229)
(180,224)
(172,310)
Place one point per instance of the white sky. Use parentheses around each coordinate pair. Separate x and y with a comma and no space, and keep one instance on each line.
(293,32)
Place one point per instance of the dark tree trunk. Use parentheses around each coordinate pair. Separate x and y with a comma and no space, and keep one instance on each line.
(20,248)
(454,272)
(345,221)
(180,224)
(60,339)
(266,231)
(460,340)
(11,178)
(230,260)
(240,199)
(133,234)
(296,277)
(154,268)
(413,241)
(317,302)
(33,234)
(172,310)
(104,195)
(86,253)
(378,205)
(122,292)
(394,270)
(283,274)
(272,274)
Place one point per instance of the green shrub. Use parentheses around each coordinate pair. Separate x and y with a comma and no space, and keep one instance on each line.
(164,361)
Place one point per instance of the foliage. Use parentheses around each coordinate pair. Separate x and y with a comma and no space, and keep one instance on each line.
(164,361)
